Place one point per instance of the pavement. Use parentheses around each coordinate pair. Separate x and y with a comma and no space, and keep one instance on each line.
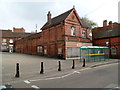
(30,67)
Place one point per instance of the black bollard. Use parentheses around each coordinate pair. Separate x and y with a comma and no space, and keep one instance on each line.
(42,69)
(59,68)
(73,64)
(17,70)
(83,62)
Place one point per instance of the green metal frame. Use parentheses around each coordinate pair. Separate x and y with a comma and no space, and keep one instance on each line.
(94,57)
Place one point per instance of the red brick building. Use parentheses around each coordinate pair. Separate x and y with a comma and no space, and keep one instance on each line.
(61,36)
(8,37)
(108,34)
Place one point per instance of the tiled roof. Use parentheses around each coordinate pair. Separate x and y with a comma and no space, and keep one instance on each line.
(10,34)
(106,32)
(57,20)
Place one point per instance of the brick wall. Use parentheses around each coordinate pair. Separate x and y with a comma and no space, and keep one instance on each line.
(113,42)
(53,39)
(108,33)
(20,30)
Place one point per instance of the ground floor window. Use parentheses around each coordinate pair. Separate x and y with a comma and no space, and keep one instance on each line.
(3,47)
(4,43)
(45,51)
(113,50)
(39,49)
(73,52)
(59,50)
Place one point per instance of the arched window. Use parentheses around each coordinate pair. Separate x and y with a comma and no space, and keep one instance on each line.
(73,31)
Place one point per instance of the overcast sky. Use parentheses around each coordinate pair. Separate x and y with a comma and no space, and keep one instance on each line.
(28,13)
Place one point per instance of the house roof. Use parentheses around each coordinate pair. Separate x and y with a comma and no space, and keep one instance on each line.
(10,34)
(106,32)
(59,19)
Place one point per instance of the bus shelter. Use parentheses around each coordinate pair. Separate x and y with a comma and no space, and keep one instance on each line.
(94,53)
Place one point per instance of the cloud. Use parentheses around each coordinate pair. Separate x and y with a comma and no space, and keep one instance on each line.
(28,13)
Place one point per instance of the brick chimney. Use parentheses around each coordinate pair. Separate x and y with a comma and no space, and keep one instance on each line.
(104,23)
(19,30)
(49,17)
(110,24)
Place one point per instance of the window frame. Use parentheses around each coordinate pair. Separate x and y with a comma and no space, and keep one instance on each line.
(4,40)
(113,50)
(84,35)
(11,41)
(73,31)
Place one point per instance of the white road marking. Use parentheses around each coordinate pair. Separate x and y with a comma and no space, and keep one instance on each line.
(2,87)
(35,87)
(77,72)
(117,87)
(84,69)
(70,74)
(26,81)
(67,74)
(56,77)
(112,85)
(52,78)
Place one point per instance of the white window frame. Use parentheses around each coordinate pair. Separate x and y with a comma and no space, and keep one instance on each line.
(11,41)
(39,49)
(3,47)
(4,43)
(45,51)
(59,50)
(73,31)
(113,50)
(4,40)
(84,33)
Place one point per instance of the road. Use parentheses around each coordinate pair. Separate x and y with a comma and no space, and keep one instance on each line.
(105,76)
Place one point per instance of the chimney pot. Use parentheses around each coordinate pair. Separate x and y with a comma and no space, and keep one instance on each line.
(110,23)
(49,17)
(104,23)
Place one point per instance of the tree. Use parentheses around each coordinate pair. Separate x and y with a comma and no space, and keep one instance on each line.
(89,22)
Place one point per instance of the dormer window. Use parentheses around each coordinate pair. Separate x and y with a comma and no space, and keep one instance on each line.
(73,31)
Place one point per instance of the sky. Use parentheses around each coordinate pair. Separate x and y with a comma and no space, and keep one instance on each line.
(28,13)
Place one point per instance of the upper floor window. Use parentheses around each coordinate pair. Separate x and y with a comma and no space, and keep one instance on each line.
(4,40)
(11,40)
(84,34)
(73,31)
